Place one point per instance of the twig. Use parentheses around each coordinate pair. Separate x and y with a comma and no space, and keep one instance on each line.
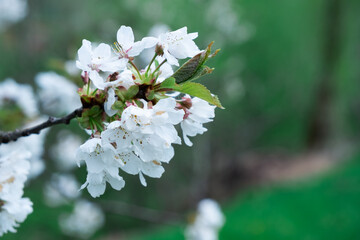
(6,137)
(143,213)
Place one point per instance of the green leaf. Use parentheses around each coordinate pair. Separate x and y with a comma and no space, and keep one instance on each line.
(168,83)
(89,116)
(191,88)
(200,91)
(194,68)
(131,92)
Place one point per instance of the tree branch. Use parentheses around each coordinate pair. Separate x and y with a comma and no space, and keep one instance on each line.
(6,137)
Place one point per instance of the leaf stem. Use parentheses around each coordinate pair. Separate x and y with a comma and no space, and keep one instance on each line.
(158,67)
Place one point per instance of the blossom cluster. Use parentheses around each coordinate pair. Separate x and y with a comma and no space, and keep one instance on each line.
(14,209)
(131,112)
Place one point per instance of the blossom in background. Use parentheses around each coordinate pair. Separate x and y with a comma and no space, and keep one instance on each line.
(71,68)
(33,144)
(12,11)
(61,189)
(178,45)
(228,22)
(14,209)
(84,221)
(57,94)
(197,112)
(208,221)
(64,151)
(100,59)
(20,94)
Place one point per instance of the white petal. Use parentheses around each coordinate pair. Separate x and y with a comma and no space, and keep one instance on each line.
(142,179)
(94,164)
(125,37)
(171,59)
(153,169)
(102,51)
(96,190)
(116,183)
(84,52)
(97,80)
(109,102)
(149,42)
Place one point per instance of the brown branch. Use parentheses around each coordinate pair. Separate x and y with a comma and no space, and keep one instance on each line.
(6,137)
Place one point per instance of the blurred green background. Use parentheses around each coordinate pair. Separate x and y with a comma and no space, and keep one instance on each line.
(281,159)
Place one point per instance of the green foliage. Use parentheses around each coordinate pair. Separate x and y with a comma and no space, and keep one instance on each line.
(195,68)
(191,88)
(91,118)
(124,94)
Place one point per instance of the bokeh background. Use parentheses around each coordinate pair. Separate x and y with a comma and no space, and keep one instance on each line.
(282,159)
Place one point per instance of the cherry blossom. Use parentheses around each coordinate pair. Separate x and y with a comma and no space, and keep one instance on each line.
(14,209)
(102,166)
(178,45)
(127,46)
(197,114)
(100,59)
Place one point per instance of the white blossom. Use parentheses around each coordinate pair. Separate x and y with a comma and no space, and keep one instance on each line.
(199,113)
(154,31)
(14,209)
(57,94)
(100,59)
(12,11)
(129,48)
(143,137)
(125,80)
(208,221)
(153,129)
(85,220)
(124,145)
(178,45)
(33,144)
(21,94)
(102,165)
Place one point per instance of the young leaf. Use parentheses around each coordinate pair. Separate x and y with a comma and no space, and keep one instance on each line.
(194,68)
(191,88)
(198,90)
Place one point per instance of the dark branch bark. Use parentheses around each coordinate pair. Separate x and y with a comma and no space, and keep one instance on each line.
(6,137)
